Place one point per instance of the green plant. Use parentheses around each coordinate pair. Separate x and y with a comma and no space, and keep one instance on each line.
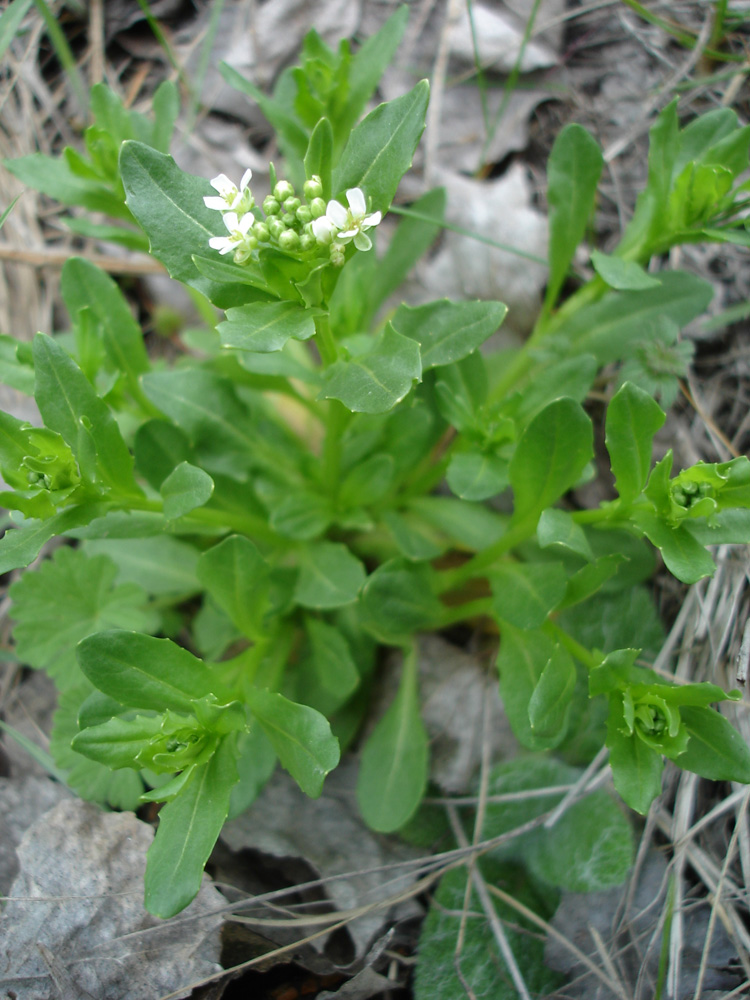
(237,566)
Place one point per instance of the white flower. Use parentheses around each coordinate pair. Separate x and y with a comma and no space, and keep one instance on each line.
(230,198)
(241,239)
(347,224)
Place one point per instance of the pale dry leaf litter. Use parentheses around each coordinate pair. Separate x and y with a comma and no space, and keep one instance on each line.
(79,893)
(603,68)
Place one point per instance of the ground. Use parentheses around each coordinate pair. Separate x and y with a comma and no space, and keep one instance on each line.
(611,66)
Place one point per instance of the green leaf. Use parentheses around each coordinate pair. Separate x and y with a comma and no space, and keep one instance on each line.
(10,22)
(54,177)
(375,381)
(189,827)
(15,367)
(395,759)
(683,555)
(20,546)
(449,331)
(168,204)
(465,524)
(166,107)
(160,447)
(610,621)
(611,328)
(622,275)
(204,405)
(398,600)
(91,780)
(557,528)
(301,737)
(163,566)
(636,770)
(237,577)
(550,457)
(525,593)
(573,171)
(143,672)
(331,662)
(265,326)
(301,515)
(589,849)
(85,286)
(549,705)
(482,967)
(476,474)
(367,67)
(413,538)
(69,405)
(117,742)
(716,750)
(412,239)
(292,137)
(368,481)
(256,762)
(319,155)
(66,599)
(589,579)
(184,489)
(649,220)
(380,148)
(329,577)
(633,418)
(521,662)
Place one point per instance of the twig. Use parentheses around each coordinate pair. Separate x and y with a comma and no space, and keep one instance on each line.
(96,41)
(578,790)
(491,913)
(717,899)
(743,657)
(57,258)
(615,148)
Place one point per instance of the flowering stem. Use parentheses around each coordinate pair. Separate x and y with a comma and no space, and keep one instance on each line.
(324,339)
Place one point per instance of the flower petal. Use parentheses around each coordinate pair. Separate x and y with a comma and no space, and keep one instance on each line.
(337,214)
(347,234)
(323,229)
(215,202)
(231,221)
(246,223)
(357,203)
(246,178)
(372,220)
(362,241)
(222,184)
(221,243)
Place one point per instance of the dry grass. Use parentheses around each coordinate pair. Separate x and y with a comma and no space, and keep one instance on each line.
(702,827)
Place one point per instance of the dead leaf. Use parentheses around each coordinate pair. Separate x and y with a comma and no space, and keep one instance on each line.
(79,894)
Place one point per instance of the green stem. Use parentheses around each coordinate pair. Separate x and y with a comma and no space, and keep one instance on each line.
(583,655)
(329,352)
(479,608)
(451,579)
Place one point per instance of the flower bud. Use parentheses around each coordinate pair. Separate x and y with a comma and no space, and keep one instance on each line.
(289,240)
(313,188)
(271,205)
(262,231)
(307,241)
(289,219)
(317,207)
(291,204)
(283,190)
(304,214)
(276,228)
(337,259)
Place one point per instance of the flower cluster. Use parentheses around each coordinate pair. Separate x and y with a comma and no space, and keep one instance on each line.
(288,223)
